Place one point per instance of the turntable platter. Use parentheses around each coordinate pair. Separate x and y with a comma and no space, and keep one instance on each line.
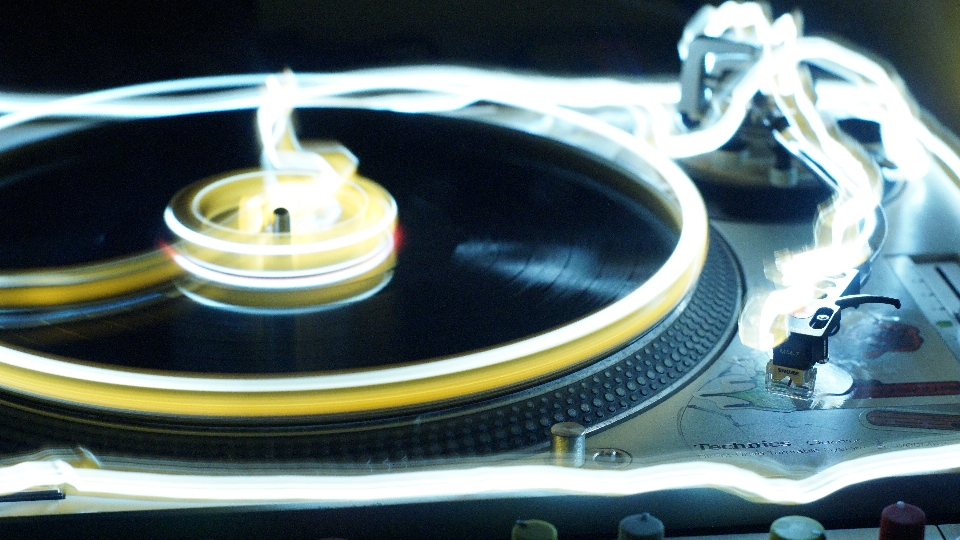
(504,237)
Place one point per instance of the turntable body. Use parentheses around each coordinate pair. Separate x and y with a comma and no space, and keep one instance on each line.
(675,414)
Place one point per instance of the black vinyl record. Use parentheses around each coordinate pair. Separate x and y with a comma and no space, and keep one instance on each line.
(502,236)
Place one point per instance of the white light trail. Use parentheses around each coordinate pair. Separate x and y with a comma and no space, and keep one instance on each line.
(845,226)
(202,238)
(273,282)
(473,482)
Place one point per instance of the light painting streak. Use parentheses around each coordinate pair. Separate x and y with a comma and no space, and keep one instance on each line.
(476,482)
(273,282)
(296,310)
(380,227)
(843,230)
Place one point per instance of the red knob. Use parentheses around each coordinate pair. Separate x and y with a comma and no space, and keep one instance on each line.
(902,521)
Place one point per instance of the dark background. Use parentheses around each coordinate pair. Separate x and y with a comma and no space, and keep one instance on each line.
(73,46)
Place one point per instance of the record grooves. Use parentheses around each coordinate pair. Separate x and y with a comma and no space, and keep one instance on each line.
(625,383)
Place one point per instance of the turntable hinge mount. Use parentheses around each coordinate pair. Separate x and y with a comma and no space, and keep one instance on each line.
(710,64)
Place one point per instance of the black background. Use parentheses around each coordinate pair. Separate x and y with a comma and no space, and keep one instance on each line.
(72,46)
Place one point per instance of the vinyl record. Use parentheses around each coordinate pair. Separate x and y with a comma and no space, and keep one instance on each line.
(502,237)
(498,243)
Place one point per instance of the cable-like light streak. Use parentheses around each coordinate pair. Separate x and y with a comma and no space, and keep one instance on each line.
(200,238)
(349,270)
(473,482)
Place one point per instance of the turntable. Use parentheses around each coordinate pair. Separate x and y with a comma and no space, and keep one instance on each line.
(353,296)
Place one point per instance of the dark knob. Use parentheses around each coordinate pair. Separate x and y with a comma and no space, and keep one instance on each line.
(796,528)
(533,529)
(902,521)
(640,527)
